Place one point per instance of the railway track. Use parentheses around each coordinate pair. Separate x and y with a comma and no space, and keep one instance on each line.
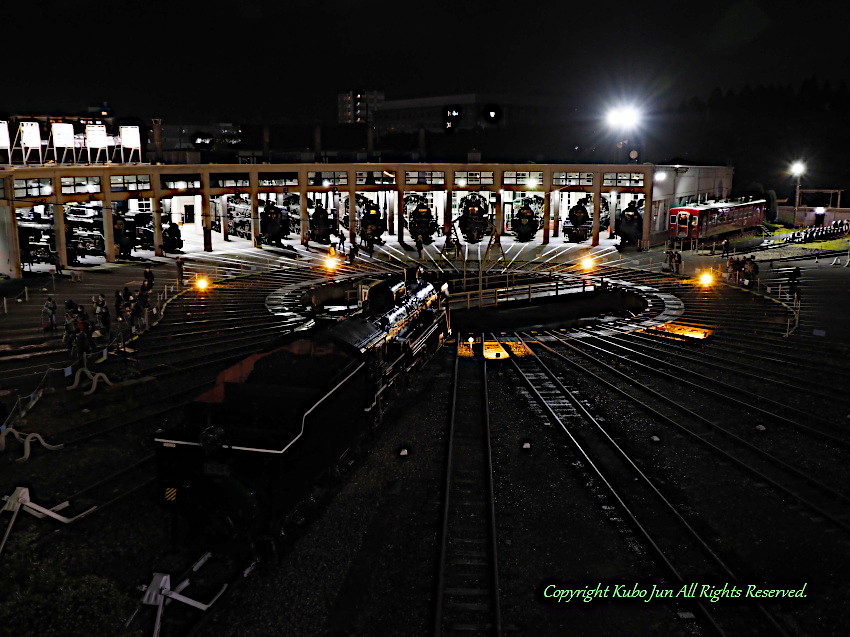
(467,598)
(684,553)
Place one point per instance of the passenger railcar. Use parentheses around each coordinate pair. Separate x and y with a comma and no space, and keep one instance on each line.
(714,219)
(247,451)
(474,221)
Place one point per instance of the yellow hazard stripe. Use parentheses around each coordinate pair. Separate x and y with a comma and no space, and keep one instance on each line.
(171,494)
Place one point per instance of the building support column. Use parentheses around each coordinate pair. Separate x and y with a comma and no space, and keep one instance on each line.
(108,228)
(400,210)
(9,230)
(352,214)
(597,201)
(447,209)
(555,197)
(253,195)
(647,208)
(206,218)
(547,209)
(59,237)
(156,213)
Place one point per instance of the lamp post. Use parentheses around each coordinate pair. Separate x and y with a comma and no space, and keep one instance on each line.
(797,169)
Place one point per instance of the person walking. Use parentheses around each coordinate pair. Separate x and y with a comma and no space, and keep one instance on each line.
(725,247)
(149,278)
(179,263)
(48,315)
(419,245)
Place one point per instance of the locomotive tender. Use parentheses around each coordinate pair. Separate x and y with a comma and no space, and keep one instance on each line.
(248,450)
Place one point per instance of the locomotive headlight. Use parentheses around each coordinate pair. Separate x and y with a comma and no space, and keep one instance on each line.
(706,278)
(202,283)
(587,263)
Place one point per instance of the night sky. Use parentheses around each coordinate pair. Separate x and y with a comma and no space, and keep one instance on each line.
(286,60)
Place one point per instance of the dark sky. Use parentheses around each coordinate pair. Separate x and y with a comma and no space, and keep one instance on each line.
(287,59)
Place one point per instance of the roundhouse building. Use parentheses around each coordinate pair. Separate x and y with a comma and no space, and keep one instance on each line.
(37,202)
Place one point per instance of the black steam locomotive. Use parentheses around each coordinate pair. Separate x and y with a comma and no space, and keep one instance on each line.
(422,222)
(323,223)
(629,226)
(246,451)
(579,221)
(275,224)
(526,221)
(474,221)
(372,224)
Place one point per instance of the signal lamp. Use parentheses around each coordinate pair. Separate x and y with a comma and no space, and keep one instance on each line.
(706,278)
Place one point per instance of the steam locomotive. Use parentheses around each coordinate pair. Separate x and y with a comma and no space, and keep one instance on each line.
(526,221)
(474,221)
(422,221)
(323,223)
(247,450)
(275,224)
(372,224)
(629,226)
(579,222)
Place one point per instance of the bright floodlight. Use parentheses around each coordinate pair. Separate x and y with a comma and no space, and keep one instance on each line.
(706,278)
(331,262)
(660,176)
(587,263)
(532,183)
(202,283)
(624,117)
(798,168)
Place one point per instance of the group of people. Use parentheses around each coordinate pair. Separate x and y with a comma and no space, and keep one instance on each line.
(86,327)
(742,270)
(673,259)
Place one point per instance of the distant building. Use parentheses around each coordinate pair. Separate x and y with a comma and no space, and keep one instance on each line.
(358,107)
(468,111)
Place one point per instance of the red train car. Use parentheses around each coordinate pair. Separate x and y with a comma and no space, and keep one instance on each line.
(713,219)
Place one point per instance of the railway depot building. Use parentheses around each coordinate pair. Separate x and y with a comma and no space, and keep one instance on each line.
(45,211)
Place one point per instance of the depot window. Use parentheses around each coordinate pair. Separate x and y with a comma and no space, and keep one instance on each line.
(80,185)
(129,183)
(424,177)
(181,182)
(278,179)
(474,178)
(376,178)
(228,180)
(33,187)
(572,179)
(513,178)
(628,180)
(327,178)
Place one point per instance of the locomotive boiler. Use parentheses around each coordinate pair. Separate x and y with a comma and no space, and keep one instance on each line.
(527,220)
(422,222)
(248,450)
(474,221)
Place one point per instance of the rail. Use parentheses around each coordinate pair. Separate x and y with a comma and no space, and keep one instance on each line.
(483,297)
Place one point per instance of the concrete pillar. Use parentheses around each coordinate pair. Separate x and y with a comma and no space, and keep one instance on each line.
(447,210)
(255,208)
(399,204)
(352,213)
(547,208)
(647,208)
(555,196)
(390,210)
(305,214)
(206,218)
(108,230)
(156,213)
(499,221)
(597,199)
(10,247)
(59,238)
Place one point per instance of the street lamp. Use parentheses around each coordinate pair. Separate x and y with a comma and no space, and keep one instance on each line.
(797,169)
(623,120)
